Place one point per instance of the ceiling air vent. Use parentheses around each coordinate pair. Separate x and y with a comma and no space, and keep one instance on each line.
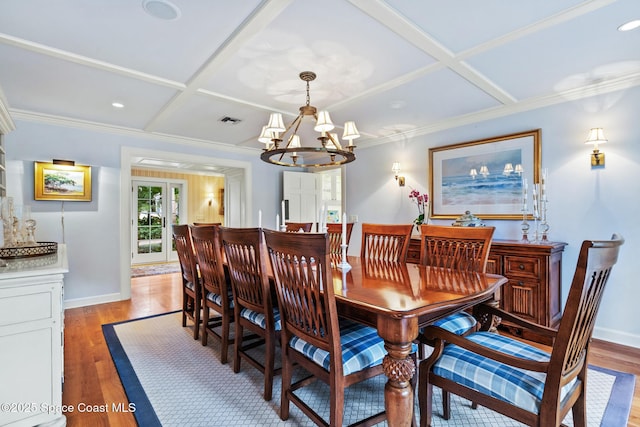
(230,120)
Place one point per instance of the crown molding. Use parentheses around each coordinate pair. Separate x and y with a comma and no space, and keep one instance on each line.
(600,88)
(121,130)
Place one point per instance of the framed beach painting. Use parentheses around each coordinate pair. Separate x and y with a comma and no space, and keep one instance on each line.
(65,182)
(486,177)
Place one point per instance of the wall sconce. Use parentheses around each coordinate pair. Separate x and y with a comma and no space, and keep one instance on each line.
(210,198)
(596,136)
(396,171)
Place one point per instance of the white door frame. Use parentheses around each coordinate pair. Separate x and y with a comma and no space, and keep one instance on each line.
(127,156)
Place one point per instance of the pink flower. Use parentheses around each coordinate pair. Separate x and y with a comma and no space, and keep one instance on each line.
(421,201)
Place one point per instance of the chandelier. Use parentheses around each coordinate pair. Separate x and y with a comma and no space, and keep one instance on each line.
(328,153)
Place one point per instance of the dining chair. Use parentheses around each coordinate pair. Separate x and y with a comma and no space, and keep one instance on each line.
(295,227)
(386,242)
(254,307)
(517,379)
(206,223)
(217,294)
(458,248)
(191,285)
(334,230)
(334,350)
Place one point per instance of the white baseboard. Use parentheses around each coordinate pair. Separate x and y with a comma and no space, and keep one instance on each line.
(622,338)
(100,299)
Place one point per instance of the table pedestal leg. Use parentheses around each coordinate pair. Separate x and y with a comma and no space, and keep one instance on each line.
(399,368)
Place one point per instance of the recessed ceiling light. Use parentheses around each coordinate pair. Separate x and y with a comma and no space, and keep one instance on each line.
(161,9)
(117,105)
(631,25)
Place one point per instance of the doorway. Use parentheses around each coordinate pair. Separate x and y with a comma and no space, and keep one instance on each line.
(157,205)
(237,173)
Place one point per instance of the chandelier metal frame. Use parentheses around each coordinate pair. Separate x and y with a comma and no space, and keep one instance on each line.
(273,135)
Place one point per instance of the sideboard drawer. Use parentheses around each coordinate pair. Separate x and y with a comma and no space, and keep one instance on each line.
(25,304)
(522,267)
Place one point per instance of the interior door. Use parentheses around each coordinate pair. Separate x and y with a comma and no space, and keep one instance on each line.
(157,205)
(301,190)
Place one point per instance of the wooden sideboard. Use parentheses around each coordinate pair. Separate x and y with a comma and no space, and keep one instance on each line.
(31,340)
(534,271)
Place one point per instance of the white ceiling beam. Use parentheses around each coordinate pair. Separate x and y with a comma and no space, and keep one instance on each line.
(257,21)
(89,62)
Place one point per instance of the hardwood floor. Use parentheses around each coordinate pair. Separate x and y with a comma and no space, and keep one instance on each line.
(91,380)
(90,375)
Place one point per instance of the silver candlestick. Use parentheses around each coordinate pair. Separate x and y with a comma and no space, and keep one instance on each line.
(344,265)
(525,226)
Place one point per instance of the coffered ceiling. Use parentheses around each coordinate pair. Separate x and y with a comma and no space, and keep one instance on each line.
(399,68)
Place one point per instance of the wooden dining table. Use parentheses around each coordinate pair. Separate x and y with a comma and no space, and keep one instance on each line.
(398,298)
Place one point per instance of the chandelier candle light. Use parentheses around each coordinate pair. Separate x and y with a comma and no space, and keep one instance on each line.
(329,153)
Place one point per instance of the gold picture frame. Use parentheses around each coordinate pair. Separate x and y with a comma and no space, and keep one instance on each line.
(64,182)
(474,176)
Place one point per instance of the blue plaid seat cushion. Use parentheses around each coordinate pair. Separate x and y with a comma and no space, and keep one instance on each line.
(217,299)
(519,387)
(190,286)
(459,323)
(260,319)
(361,348)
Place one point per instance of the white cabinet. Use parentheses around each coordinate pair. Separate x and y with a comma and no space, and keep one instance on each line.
(31,340)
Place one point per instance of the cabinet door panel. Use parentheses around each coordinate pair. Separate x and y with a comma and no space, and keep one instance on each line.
(26,375)
(521,298)
(494,264)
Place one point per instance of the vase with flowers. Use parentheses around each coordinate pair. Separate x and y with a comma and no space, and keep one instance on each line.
(422,202)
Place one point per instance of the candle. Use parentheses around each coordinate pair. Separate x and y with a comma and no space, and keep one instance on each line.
(544,185)
(282,208)
(260,218)
(525,187)
(277,222)
(344,229)
(323,219)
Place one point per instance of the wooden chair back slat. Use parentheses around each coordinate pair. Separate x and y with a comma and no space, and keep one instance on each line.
(458,248)
(247,267)
(595,262)
(206,241)
(186,253)
(304,287)
(385,242)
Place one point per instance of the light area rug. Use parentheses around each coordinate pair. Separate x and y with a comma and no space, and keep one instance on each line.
(174,381)
(141,270)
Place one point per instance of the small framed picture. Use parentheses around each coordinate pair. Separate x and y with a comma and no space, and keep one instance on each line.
(63,182)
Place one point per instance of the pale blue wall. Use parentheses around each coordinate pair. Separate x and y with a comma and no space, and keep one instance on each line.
(92,229)
(583,203)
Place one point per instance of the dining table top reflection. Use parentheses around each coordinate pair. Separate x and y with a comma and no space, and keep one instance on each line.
(397,298)
(411,290)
